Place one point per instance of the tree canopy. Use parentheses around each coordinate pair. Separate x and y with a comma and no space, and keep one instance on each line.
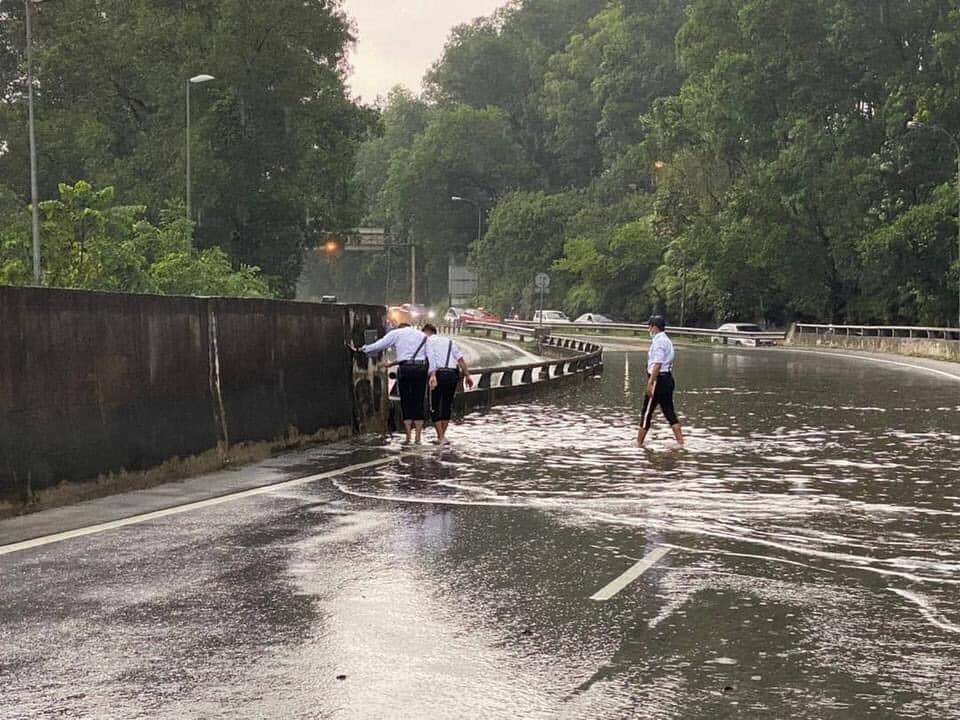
(274,136)
(716,159)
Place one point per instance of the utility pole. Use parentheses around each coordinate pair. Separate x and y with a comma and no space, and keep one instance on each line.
(34,191)
(413,273)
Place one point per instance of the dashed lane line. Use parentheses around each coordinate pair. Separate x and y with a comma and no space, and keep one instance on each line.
(219,500)
(614,587)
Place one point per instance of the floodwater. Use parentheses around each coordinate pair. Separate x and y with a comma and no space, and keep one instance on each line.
(817,502)
(812,524)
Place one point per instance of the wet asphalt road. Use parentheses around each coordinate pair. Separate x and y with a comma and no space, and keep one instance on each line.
(813,529)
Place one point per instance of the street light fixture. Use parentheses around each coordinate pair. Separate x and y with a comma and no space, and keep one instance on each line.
(196,79)
(916,125)
(34,191)
(457,198)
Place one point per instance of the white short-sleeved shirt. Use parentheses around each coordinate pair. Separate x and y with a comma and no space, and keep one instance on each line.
(661,351)
(405,341)
(437,349)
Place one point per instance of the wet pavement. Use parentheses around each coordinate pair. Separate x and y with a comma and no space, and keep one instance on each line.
(813,537)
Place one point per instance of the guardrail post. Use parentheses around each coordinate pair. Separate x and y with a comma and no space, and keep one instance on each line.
(527,377)
(484,383)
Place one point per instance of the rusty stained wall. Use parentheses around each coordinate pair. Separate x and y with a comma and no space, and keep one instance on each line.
(97,382)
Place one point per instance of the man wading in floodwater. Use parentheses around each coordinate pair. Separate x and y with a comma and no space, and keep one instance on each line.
(447,366)
(659,381)
(411,348)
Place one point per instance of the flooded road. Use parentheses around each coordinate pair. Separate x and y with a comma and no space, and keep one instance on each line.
(804,548)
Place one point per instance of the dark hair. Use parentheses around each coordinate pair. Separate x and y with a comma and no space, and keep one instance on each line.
(657,321)
(403,325)
(429,328)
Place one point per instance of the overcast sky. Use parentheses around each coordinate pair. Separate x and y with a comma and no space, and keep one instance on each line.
(398,40)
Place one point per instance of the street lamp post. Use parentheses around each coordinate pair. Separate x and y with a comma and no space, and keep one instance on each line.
(196,79)
(34,191)
(457,198)
(914,125)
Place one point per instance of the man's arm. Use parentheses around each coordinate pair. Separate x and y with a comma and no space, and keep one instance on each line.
(652,381)
(387,341)
(465,371)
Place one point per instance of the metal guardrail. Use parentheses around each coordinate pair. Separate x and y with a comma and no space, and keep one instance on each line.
(639,329)
(585,358)
(878,331)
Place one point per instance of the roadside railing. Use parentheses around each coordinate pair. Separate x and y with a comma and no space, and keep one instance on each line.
(878,331)
(580,358)
(636,329)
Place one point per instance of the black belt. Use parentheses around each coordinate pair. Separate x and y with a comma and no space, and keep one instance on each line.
(404,363)
(662,373)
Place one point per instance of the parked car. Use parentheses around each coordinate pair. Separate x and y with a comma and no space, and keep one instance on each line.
(593,319)
(550,316)
(734,328)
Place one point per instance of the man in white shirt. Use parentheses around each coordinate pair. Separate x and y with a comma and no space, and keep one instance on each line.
(446,367)
(410,347)
(660,383)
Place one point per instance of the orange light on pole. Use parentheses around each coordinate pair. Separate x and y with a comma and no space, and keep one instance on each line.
(659,165)
(331,247)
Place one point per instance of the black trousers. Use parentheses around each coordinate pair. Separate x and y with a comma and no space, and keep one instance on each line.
(662,396)
(441,397)
(412,379)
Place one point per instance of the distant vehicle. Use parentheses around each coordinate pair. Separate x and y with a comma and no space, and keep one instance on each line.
(328,298)
(419,313)
(397,315)
(453,314)
(734,328)
(593,319)
(480,315)
(551,316)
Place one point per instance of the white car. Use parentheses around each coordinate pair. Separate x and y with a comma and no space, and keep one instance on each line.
(593,319)
(453,314)
(734,328)
(555,317)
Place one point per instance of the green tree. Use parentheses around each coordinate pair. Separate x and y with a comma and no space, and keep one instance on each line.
(89,242)
(274,136)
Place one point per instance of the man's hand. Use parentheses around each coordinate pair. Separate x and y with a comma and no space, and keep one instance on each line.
(352,347)
(468,381)
(433,382)
(651,386)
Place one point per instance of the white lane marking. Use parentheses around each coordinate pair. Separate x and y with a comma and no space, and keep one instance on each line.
(911,366)
(927,610)
(145,517)
(614,587)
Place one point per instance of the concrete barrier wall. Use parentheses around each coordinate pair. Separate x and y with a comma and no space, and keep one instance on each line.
(915,347)
(97,382)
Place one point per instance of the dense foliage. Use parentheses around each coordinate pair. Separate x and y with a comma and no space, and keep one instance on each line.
(713,159)
(91,243)
(274,135)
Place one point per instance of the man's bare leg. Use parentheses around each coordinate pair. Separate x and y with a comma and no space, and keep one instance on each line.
(678,433)
(642,435)
(407,427)
(418,425)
